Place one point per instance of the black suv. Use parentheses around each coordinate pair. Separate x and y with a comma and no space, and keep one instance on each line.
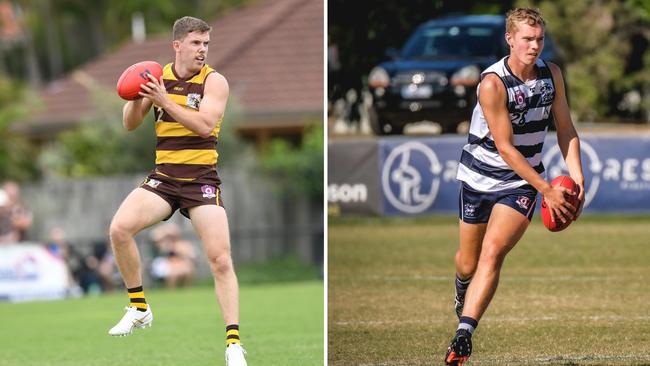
(435,75)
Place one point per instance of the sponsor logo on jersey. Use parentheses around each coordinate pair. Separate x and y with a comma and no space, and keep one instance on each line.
(208,191)
(520,99)
(153,183)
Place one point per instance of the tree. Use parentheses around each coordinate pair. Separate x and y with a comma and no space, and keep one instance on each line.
(297,169)
(602,64)
(17,154)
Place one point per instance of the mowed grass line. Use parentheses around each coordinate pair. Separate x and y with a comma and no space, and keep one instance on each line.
(281,324)
(577,297)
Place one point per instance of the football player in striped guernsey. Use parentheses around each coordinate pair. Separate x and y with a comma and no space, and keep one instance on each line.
(501,168)
(189,101)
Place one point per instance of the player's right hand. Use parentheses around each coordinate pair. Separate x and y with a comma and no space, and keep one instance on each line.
(558,206)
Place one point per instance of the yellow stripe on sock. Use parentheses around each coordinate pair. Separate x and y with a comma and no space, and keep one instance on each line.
(136,295)
(232,341)
(232,332)
(139,305)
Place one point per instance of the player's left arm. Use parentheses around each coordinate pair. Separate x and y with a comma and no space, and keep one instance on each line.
(567,136)
(213,104)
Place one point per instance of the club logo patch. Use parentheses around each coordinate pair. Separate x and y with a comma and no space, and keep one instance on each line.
(193,100)
(523,202)
(208,191)
(469,210)
(547,92)
(153,183)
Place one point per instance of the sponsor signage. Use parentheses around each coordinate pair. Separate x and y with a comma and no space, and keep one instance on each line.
(352,177)
(416,176)
(31,272)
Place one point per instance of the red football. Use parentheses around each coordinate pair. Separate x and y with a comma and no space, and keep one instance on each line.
(566,182)
(129,82)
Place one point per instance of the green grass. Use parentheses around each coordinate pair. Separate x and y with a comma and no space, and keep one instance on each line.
(578,297)
(281,324)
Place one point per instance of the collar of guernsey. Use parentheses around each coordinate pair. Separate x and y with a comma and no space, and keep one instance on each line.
(180,152)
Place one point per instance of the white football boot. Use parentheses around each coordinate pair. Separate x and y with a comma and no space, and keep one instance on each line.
(235,355)
(131,320)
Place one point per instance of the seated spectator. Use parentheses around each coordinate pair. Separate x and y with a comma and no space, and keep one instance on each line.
(6,231)
(58,245)
(21,216)
(176,257)
(102,263)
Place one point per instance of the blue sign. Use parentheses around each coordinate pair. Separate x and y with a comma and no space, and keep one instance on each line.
(418,175)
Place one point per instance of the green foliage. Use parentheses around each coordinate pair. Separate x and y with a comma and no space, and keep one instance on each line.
(603,62)
(596,40)
(67,33)
(297,170)
(17,154)
(101,145)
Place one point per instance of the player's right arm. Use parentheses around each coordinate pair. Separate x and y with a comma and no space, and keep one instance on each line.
(493,100)
(134,112)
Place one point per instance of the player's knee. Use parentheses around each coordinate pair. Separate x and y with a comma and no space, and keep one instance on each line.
(464,265)
(493,255)
(119,233)
(221,264)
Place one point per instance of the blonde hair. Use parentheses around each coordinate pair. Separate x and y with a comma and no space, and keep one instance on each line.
(186,25)
(528,15)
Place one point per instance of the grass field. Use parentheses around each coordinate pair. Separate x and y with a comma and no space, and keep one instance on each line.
(578,297)
(281,324)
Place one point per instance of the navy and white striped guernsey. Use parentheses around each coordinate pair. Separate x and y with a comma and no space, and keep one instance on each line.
(529,106)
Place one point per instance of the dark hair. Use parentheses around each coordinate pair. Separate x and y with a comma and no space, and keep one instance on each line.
(186,25)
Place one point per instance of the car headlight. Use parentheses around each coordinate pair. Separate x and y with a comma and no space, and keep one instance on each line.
(378,78)
(467,76)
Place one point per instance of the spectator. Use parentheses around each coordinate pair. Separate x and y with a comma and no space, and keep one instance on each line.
(176,257)
(102,264)
(58,245)
(6,232)
(21,216)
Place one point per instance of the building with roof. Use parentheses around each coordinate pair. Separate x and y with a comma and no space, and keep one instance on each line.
(270,51)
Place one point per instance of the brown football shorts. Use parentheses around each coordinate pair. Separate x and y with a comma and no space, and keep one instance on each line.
(185,194)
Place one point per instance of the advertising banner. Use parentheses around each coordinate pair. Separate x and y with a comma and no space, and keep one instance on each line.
(31,272)
(418,175)
(414,176)
(352,177)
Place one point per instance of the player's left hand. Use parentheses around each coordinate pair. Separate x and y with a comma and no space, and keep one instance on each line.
(154,90)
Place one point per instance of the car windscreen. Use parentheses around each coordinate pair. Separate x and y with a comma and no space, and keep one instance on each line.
(452,42)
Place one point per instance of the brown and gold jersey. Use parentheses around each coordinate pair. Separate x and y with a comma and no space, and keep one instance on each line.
(181,153)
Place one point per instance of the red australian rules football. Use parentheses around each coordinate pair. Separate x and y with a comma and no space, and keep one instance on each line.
(129,82)
(566,182)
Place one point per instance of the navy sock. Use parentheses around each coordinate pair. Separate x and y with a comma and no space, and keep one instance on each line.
(462,285)
(467,323)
